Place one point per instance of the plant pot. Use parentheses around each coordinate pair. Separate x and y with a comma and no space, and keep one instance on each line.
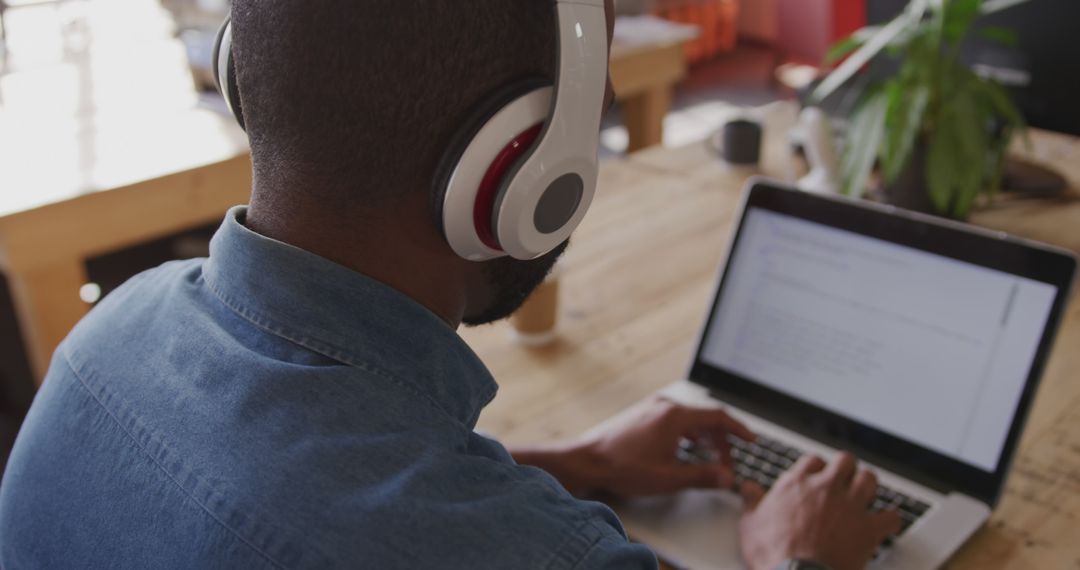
(910,191)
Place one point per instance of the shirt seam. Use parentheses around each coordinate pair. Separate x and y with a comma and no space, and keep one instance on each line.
(82,383)
(330,351)
(592,545)
(558,559)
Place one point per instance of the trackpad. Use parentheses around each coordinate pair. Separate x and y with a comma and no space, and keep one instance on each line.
(694,529)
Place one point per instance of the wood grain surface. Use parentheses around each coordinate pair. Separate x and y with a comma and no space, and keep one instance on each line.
(636,284)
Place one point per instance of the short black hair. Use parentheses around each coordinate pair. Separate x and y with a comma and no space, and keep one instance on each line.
(357,100)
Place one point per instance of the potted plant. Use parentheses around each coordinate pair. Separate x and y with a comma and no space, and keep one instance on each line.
(939,131)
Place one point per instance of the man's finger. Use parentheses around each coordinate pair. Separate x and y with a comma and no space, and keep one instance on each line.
(864,487)
(752,493)
(713,420)
(885,524)
(725,453)
(841,470)
(808,465)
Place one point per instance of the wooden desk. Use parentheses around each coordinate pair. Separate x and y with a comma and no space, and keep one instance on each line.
(637,282)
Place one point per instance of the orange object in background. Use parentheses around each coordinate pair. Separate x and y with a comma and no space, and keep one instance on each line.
(848,17)
(717,19)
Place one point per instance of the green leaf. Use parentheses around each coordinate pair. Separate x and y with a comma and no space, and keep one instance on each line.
(962,9)
(894,92)
(998,34)
(958,17)
(1000,99)
(968,126)
(966,195)
(863,140)
(940,173)
(1003,107)
(903,129)
(921,58)
(971,138)
(960,152)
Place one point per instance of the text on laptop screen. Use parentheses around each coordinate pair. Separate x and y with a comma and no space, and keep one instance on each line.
(927,348)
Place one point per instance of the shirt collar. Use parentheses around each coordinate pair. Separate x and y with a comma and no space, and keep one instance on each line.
(342,314)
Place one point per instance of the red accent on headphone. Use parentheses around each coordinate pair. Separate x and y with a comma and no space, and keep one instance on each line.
(484,207)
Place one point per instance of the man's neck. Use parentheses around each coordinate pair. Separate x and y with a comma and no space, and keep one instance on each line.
(403,256)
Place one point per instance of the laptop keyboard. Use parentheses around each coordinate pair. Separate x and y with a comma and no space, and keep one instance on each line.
(766,459)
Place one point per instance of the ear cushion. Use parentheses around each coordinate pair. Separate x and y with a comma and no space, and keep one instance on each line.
(227,86)
(475,120)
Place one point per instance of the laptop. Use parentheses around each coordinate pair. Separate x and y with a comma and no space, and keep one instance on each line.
(913,342)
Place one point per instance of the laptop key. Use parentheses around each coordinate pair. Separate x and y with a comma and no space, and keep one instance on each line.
(915,507)
(773,457)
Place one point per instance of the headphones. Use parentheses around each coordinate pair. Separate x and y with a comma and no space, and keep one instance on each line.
(519,176)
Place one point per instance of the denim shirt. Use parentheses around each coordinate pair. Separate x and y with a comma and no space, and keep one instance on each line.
(266,407)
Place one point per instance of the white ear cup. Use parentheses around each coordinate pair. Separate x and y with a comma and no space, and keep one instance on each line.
(547,197)
(460,200)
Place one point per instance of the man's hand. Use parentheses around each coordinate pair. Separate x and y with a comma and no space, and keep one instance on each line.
(636,455)
(816,511)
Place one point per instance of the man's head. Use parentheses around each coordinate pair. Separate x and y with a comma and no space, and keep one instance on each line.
(351,105)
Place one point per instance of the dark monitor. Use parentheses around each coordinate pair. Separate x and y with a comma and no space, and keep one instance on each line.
(1047,51)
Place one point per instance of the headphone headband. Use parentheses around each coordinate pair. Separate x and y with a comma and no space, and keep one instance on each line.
(225,71)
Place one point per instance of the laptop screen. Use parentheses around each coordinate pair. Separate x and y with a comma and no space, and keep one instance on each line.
(914,342)
(930,349)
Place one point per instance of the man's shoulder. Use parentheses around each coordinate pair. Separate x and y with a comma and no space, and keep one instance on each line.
(134,305)
(168,323)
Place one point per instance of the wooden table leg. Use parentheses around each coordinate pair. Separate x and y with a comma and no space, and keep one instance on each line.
(47,304)
(644,117)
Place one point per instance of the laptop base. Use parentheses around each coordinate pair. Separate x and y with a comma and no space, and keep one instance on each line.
(698,529)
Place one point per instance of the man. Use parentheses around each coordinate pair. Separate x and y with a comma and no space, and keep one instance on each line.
(300,399)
